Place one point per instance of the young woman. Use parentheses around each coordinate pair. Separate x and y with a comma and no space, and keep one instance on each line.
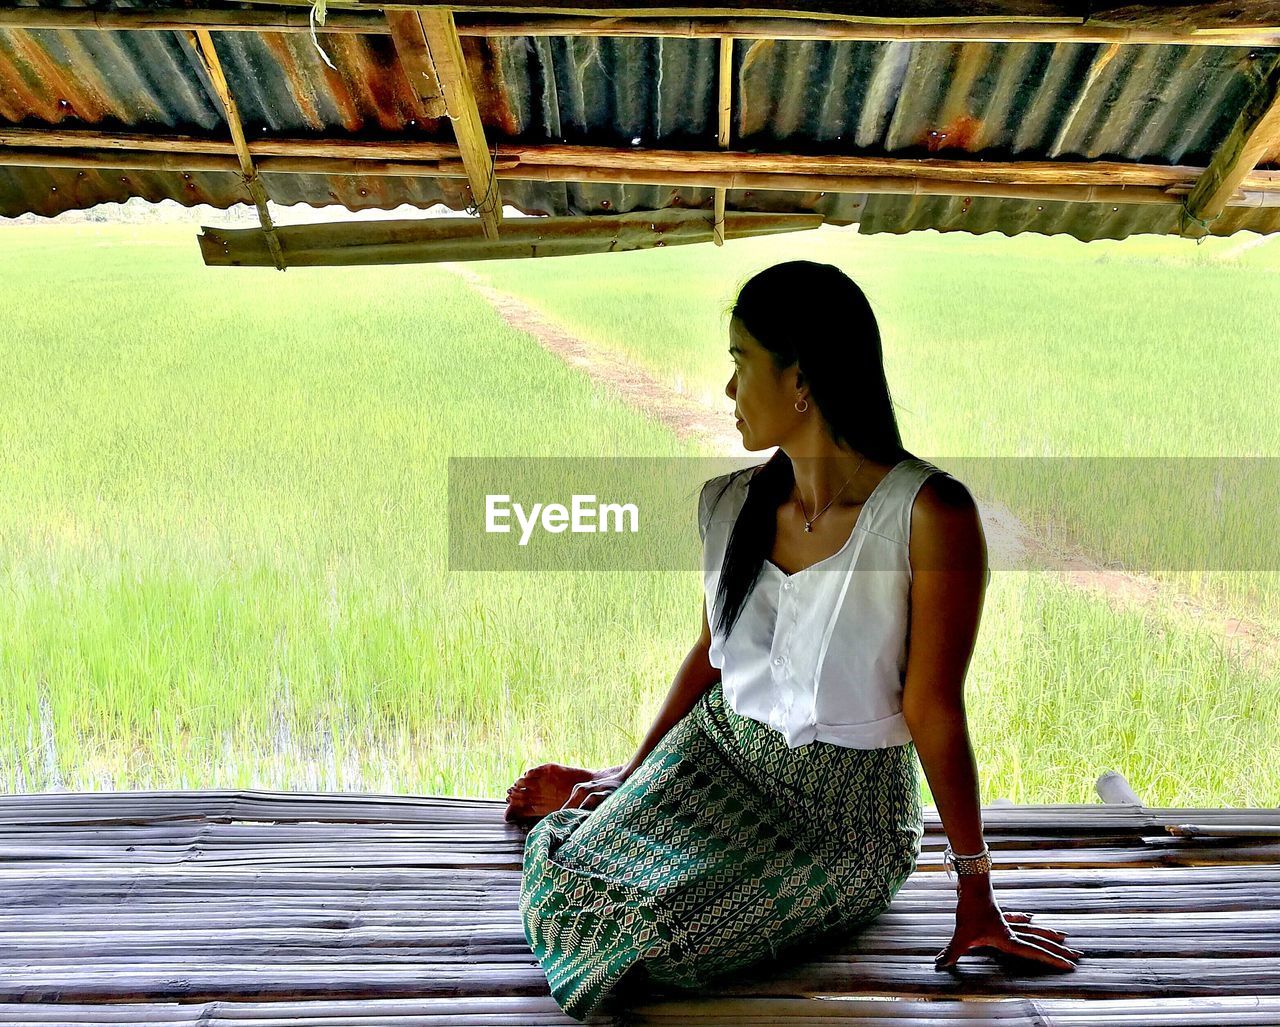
(776,800)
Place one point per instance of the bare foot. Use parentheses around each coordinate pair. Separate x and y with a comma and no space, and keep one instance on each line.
(542,789)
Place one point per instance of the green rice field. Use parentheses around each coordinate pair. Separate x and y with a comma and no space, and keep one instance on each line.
(223,507)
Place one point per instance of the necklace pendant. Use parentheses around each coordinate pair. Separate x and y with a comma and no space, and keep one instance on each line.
(808,526)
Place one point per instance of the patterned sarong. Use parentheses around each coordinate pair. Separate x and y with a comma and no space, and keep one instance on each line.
(724,848)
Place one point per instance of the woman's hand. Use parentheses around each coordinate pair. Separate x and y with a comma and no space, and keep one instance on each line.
(981,926)
(590,793)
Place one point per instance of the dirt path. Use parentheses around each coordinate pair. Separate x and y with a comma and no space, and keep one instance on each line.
(1009,543)
(683,415)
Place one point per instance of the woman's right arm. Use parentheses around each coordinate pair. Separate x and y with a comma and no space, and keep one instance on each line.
(693,678)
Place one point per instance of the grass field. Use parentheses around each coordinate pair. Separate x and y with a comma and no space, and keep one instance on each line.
(222,502)
(1029,347)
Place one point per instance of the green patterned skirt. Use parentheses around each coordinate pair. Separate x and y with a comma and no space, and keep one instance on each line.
(724,848)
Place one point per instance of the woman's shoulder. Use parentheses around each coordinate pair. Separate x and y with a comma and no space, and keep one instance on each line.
(937,486)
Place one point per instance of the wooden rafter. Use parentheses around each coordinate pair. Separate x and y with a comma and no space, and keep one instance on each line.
(203,44)
(723,129)
(779,26)
(415,61)
(434,239)
(1217,15)
(450,66)
(370,21)
(930,184)
(60,147)
(1256,132)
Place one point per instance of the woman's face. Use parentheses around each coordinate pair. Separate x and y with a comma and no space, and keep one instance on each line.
(764,400)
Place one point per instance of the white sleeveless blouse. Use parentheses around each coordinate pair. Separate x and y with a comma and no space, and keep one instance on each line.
(820,654)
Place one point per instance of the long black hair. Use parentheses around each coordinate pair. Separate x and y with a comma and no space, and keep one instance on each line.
(816,316)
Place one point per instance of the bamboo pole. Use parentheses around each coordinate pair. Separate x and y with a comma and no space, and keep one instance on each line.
(781,181)
(182,19)
(441,37)
(1232,831)
(291,18)
(437,239)
(1159,22)
(122,160)
(30,141)
(1256,132)
(146,808)
(907,184)
(723,128)
(744,26)
(202,42)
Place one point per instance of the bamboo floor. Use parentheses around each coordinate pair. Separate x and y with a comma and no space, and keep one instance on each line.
(289,909)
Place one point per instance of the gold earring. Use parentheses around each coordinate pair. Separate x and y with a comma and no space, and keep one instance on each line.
(800,408)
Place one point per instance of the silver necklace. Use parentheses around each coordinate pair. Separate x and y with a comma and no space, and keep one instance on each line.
(808,521)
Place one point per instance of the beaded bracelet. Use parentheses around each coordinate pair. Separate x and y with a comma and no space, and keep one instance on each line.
(966,865)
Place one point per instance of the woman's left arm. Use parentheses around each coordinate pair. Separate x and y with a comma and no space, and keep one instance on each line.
(949,576)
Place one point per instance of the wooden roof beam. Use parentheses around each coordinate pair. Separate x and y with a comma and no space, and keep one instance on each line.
(444,54)
(203,45)
(54,146)
(723,131)
(1264,187)
(777,25)
(289,18)
(76,147)
(1256,133)
(432,239)
(1183,17)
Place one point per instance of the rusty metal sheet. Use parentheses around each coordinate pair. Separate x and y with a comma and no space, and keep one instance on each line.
(1084,221)
(982,101)
(50,191)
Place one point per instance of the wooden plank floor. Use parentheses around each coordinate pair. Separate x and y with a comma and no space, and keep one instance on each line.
(281,908)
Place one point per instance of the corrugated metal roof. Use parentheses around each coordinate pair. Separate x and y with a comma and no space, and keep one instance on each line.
(1006,101)
(1158,104)
(1087,221)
